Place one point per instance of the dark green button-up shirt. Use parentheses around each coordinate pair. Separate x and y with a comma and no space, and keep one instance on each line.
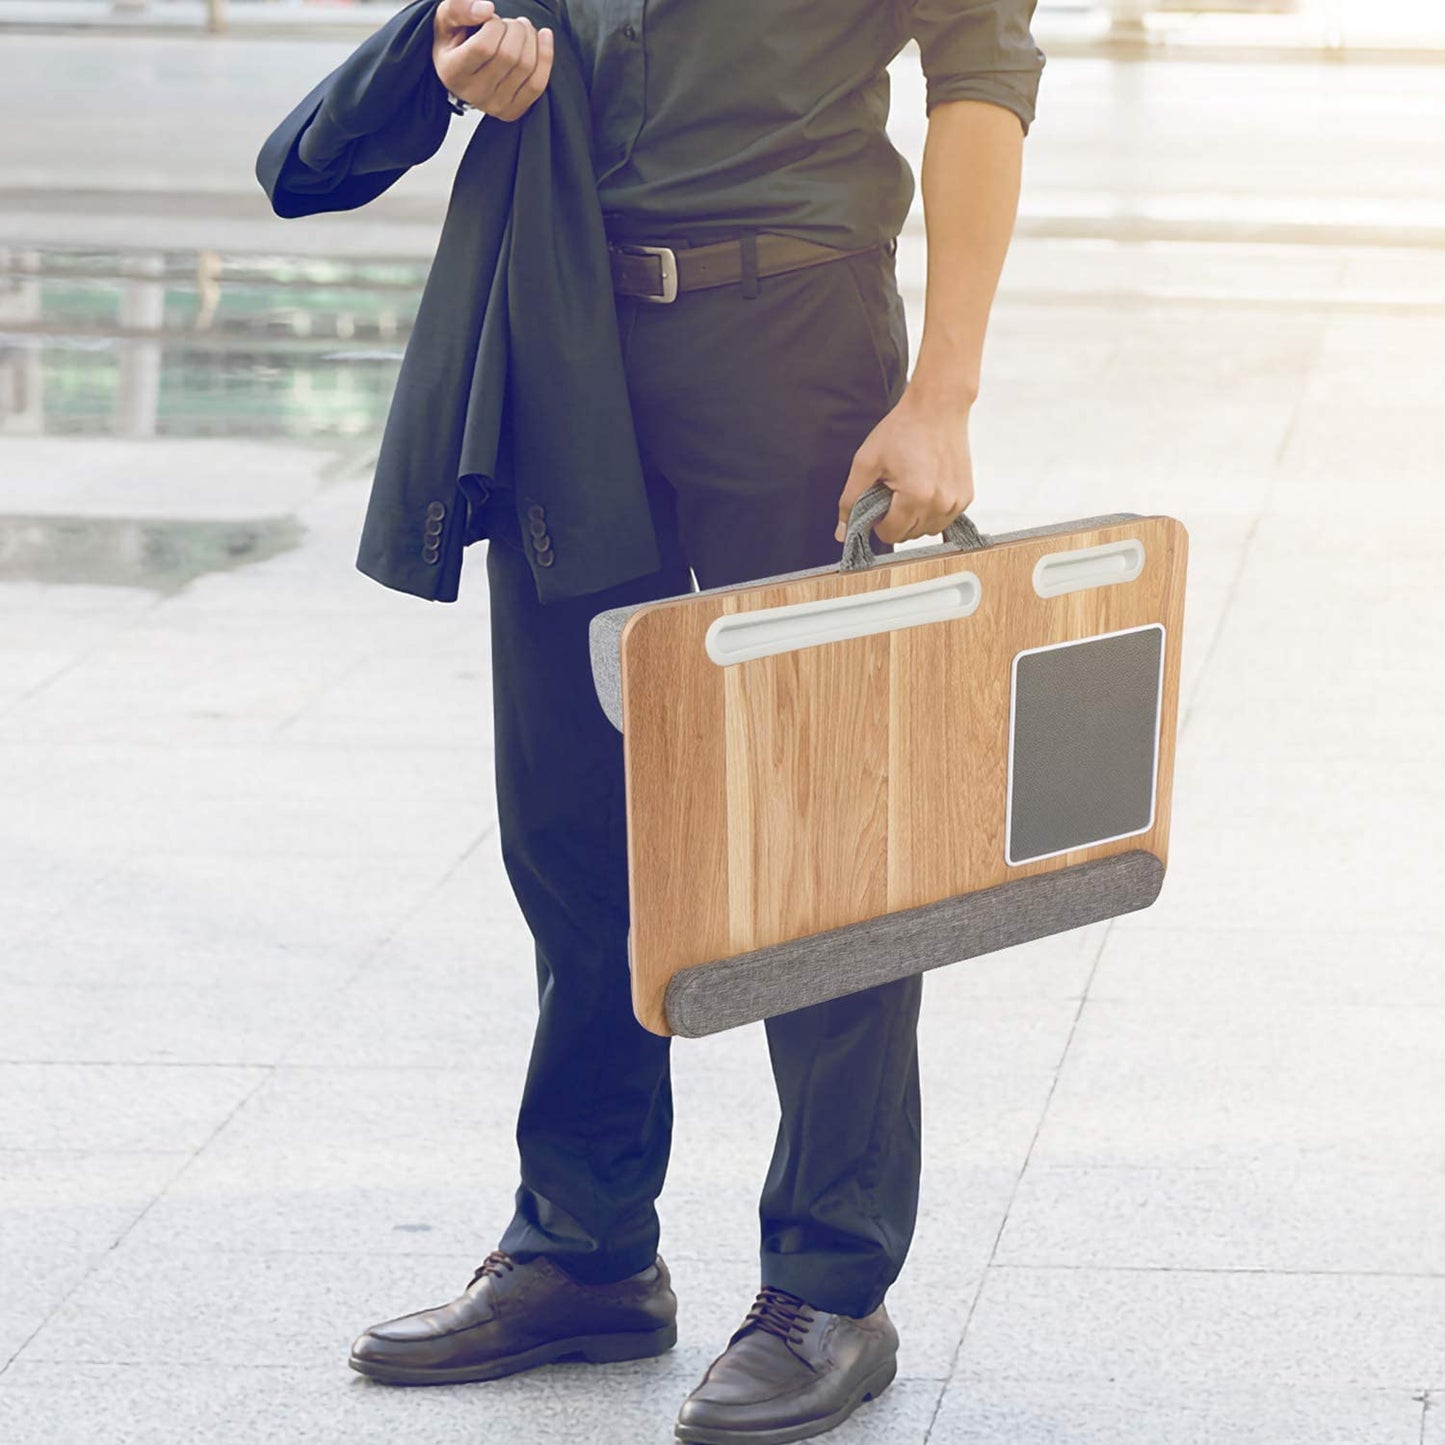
(713,115)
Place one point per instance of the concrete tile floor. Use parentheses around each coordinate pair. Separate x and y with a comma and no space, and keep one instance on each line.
(263,1046)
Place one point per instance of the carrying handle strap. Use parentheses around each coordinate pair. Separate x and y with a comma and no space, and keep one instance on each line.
(872,505)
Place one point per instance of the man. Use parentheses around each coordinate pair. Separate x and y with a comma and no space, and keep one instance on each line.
(763,408)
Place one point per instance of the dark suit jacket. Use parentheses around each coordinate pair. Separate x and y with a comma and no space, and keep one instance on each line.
(512,376)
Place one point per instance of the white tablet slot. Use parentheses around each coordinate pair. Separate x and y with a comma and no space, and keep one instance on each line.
(740,636)
(1085,567)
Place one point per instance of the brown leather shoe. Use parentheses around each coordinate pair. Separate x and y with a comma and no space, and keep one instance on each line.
(789,1373)
(514,1316)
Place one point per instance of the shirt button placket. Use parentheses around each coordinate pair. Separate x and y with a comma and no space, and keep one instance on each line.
(620,77)
(632,33)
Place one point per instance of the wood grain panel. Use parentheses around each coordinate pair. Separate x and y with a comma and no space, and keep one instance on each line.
(788,794)
(676,773)
(807,746)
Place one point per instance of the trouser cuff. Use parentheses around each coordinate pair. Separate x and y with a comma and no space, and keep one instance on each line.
(821,1281)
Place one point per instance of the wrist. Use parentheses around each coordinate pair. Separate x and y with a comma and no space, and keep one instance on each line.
(950,391)
(946,374)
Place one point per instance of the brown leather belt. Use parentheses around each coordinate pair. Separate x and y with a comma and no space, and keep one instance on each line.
(659,273)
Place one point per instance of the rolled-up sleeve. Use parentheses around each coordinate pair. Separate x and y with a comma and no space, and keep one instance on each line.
(978,50)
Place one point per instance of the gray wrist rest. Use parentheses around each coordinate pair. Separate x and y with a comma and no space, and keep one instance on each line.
(710,997)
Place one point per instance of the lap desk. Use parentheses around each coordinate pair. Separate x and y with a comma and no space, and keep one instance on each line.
(844,775)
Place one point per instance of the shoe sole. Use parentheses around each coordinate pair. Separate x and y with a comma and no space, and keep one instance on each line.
(593,1349)
(785,1435)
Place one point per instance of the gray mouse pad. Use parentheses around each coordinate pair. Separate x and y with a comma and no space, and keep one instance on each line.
(1084,742)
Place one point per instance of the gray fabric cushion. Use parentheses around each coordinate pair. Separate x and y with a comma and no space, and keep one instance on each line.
(604,633)
(750,986)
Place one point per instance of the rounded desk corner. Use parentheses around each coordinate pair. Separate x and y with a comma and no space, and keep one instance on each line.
(637,618)
(623,636)
(633,619)
(651,1014)
(649,1009)
(1178,532)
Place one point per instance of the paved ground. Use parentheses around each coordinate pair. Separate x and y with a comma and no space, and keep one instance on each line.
(262,1040)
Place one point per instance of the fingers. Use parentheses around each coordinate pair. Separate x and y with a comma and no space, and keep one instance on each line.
(930,479)
(927,517)
(489,52)
(907,516)
(536,83)
(502,67)
(951,518)
(861,475)
(463,14)
(510,98)
(905,520)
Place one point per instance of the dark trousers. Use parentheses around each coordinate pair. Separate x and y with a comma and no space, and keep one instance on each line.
(748,411)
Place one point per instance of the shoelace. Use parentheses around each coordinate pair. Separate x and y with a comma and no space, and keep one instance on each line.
(779,1313)
(498,1262)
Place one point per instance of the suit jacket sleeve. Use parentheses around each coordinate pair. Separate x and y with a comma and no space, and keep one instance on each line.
(380,112)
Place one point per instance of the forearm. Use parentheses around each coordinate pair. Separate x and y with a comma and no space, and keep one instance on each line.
(972,163)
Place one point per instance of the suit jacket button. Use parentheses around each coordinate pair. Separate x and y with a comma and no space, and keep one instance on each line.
(545,559)
(535,513)
(542,543)
(537,527)
(435,511)
(433,529)
(429,552)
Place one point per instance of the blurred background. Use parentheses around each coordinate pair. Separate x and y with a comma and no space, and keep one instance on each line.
(262,1029)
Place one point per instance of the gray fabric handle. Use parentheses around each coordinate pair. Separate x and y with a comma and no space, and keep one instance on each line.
(872,505)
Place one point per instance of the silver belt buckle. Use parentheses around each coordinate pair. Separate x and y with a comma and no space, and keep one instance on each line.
(667,257)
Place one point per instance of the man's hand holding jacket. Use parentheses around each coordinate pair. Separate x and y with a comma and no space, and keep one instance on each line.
(512,379)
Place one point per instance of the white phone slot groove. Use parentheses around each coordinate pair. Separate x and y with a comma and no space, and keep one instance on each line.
(1059,572)
(741,636)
